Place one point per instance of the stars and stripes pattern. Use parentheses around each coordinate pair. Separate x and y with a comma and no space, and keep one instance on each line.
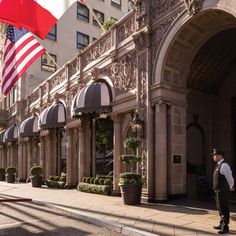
(21,49)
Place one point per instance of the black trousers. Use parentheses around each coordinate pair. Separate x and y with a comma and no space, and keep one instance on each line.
(222,204)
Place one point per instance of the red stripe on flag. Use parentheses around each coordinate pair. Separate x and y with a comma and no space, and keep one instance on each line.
(17,64)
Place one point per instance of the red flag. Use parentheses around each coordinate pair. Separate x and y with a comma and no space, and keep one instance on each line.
(21,49)
(38,16)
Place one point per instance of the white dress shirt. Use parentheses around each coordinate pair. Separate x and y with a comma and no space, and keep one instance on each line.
(226,171)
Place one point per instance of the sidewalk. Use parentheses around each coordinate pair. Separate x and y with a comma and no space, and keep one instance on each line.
(182,217)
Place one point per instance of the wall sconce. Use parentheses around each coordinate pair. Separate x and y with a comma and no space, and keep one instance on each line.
(137,125)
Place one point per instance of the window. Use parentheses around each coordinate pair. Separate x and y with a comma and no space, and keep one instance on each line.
(82,12)
(53,33)
(116,3)
(82,40)
(130,5)
(47,63)
(100,17)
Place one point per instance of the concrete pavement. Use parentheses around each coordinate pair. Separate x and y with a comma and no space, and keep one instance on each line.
(180,217)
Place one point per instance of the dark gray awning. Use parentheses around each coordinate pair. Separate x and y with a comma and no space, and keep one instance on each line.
(11,134)
(53,116)
(29,127)
(94,98)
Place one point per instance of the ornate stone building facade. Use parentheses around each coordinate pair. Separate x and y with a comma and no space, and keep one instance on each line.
(172,61)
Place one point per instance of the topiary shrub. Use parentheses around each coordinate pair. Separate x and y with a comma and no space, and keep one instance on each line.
(11,170)
(36,171)
(96,181)
(101,181)
(92,180)
(108,182)
(62,179)
(93,188)
(55,184)
(88,180)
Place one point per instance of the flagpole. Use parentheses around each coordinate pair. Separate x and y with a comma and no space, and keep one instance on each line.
(94,15)
(58,67)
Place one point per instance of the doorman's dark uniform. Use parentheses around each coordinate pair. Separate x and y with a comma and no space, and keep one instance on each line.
(221,188)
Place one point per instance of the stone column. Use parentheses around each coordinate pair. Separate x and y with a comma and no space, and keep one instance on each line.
(117,152)
(20,159)
(29,155)
(82,165)
(69,164)
(8,155)
(42,155)
(24,158)
(161,151)
(54,148)
(11,155)
(48,155)
(5,156)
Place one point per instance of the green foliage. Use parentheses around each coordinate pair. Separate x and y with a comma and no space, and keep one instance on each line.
(88,180)
(62,179)
(101,181)
(96,181)
(130,159)
(36,171)
(93,188)
(108,182)
(55,184)
(132,143)
(130,178)
(107,24)
(92,180)
(11,170)
(84,179)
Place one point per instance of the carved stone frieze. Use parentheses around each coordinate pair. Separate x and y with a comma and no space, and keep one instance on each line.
(161,7)
(160,31)
(58,79)
(123,73)
(125,29)
(142,83)
(96,50)
(141,13)
(193,6)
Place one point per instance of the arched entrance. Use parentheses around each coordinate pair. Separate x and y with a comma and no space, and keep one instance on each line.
(197,62)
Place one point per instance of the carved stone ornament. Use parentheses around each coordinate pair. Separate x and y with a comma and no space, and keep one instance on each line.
(193,6)
(141,39)
(94,73)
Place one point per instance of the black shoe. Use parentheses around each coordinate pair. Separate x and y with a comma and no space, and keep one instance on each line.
(223,231)
(217,227)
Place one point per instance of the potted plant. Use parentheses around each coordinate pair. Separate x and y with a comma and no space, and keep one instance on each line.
(131,182)
(36,176)
(2,174)
(11,174)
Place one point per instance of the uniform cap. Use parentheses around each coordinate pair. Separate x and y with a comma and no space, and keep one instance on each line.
(216,151)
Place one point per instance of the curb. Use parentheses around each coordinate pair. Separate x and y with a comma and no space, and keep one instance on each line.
(120,228)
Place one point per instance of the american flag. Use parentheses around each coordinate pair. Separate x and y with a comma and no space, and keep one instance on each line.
(21,49)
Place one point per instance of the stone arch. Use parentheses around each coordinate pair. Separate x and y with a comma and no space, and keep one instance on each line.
(187,36)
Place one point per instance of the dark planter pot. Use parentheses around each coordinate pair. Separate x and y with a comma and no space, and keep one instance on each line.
(36,181)
(131,193)
(2,177)
(11,178)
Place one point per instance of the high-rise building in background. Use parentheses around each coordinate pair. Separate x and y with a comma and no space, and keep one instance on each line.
(75,30)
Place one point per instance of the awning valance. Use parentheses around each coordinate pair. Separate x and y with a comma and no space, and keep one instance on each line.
(29,127)
(11,134)
(94,98)
(53,116)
